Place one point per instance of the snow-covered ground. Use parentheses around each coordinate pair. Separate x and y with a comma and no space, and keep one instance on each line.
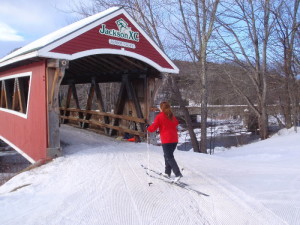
(100,181)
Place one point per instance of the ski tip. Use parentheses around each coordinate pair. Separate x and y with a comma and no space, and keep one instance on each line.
(150,183)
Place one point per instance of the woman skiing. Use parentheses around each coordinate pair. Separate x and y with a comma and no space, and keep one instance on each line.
(166,122)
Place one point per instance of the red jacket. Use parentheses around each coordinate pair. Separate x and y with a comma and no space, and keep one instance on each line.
(167,128)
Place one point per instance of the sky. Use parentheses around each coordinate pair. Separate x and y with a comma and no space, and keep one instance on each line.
(24,21)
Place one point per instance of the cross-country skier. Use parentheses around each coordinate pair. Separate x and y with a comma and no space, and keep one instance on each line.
(166,122)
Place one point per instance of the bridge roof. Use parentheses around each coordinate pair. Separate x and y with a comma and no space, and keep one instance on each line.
(61,43)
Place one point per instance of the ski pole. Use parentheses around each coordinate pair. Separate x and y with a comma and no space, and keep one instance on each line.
(148,153)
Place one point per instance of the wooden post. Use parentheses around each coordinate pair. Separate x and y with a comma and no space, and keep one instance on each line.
(89,105)
(75,96)
(3,96)
(119,106)
(68,102)
(15,97)
(8,92)
(21,94)
(55,72)
(100,103)
(133,97)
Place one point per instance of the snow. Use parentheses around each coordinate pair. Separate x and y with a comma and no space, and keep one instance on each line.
(100,181)
(33,46)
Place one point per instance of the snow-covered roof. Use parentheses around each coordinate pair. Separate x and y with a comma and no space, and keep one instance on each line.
(31,50)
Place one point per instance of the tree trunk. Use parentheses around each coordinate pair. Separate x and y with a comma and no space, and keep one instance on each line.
(288,108)
(263,124)
(186,114)
(204,97)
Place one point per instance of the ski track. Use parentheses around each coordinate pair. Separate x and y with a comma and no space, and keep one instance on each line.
(116,190)
(176,192)
(250,210)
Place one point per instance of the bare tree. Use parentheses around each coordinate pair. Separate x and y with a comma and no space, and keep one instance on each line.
(243,39)
(287,16)
(192,30)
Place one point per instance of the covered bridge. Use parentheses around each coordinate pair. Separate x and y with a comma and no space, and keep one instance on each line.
(107,47)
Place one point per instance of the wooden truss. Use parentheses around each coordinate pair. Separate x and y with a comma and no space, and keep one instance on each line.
(110,122)
(14,94)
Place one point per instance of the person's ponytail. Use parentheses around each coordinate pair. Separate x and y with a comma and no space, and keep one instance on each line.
(166,109)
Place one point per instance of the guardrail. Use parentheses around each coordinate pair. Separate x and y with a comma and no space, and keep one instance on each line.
(103,120)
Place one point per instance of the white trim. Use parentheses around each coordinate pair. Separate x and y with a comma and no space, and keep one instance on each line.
(25,74)
(18,150)
(80,31)
(47,39)
(109,51)
(14,112)
(19,58)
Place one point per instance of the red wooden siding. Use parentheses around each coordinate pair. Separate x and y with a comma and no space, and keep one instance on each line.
(29,135)
(92,39)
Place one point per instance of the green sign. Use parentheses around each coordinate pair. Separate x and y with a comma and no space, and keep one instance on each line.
(124,31)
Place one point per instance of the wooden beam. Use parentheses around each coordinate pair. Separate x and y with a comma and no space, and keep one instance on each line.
(133,97)
(76,67)
(53,85)
(103,66)
(93,122)
(119,105)
(89,65)
(21,93)
(55,72)
(129,92)
(7,94)
(124,117)
(3,95)
(89,105)
(75,97)
(111,64)
(99,102)
(120,100)
(131,62)
(15,97)
(68,102)
(119,62)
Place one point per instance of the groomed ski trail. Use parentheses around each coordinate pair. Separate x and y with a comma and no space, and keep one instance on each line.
(100,181)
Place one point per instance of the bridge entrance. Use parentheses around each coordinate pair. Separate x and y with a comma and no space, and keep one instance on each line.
(110,93)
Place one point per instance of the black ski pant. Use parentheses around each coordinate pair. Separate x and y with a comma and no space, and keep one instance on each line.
(170,162)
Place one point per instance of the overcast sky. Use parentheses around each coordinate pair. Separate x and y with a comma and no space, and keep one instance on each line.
(23,21)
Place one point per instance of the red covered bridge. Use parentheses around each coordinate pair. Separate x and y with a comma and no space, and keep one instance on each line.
(106,47)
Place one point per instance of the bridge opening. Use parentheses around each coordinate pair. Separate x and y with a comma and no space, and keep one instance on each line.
(108,93)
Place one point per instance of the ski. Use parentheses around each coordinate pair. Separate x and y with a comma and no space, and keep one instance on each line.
(170,181)
(160,174)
